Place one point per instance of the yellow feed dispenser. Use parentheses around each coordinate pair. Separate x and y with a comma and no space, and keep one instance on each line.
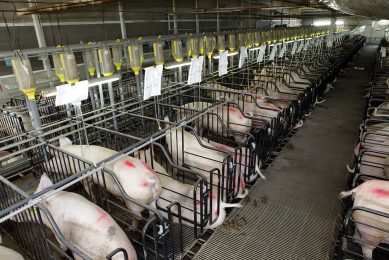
(117,56)
(231,42)
(158,53)
(209,45)
(241,39)
(59,70)
(201,44)
(68,62)
(189,46)
(90,60)
(257,39)
(105,61)
(194,43)
(249,42)
(177,50)
(221,42)
(135,51)
(24,77)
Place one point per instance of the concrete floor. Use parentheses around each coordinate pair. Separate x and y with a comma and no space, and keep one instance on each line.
(292,214)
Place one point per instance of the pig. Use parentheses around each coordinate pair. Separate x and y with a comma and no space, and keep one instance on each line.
(7,253)
(201,159)
(175,191)
(242,158)
(85,225)
(232,117)
(138,180)
(372,194)
(257,106)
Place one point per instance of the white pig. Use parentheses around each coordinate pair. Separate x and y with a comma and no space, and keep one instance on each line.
(232,118)
(372,194)
(200,159)
(175,191)
(85,225)
(241,157)
(7,253)
(138,180)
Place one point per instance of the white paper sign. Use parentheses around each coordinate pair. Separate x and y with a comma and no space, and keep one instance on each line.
(273,52)
(243,56)
(261,53)
(300,47)
(195,69)
(223,63)
(383,52)
(294,48)
(307,44)
(73,94)
(283,50)
(153,81)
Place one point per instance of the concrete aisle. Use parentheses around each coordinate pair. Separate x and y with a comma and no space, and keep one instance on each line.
(292,214)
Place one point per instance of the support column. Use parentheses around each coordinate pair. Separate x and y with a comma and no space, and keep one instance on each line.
(123,28)
(197,18)
(41,43)
(217,17)
(175,18)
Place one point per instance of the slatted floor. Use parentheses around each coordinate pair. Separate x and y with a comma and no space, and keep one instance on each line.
(292,215)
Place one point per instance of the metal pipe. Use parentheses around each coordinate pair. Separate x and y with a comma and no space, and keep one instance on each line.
(112,102)
(217,17)
(42,44)
(175,18)
(34,114)
(123,28)
(138,87)
(179,74)
(197,19)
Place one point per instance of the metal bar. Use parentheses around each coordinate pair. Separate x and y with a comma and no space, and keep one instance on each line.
(197,18)
(112,101)
(217,17)
(175,18)
(123,28)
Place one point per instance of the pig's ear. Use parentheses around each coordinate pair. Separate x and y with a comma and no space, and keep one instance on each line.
(64,141)
(44,183)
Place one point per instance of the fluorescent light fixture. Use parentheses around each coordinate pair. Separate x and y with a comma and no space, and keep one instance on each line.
(216,57)
(339,22)
(174,65)
(51,92)
(322,22)
(326,22)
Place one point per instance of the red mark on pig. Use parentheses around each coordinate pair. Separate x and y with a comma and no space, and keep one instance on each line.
(150,169)
(103,216)
(145,184)
(235,110)
(129,164)
(381,192)
(216,213)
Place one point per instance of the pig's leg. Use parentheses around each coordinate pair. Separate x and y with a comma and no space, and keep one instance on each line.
(137,210)
(88,187)
(367,251)
(153,205)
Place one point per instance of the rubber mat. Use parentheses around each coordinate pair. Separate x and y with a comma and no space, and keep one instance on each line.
(292,215)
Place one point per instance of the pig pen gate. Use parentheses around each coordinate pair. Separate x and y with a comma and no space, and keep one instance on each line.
(156,239)
(370,164)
